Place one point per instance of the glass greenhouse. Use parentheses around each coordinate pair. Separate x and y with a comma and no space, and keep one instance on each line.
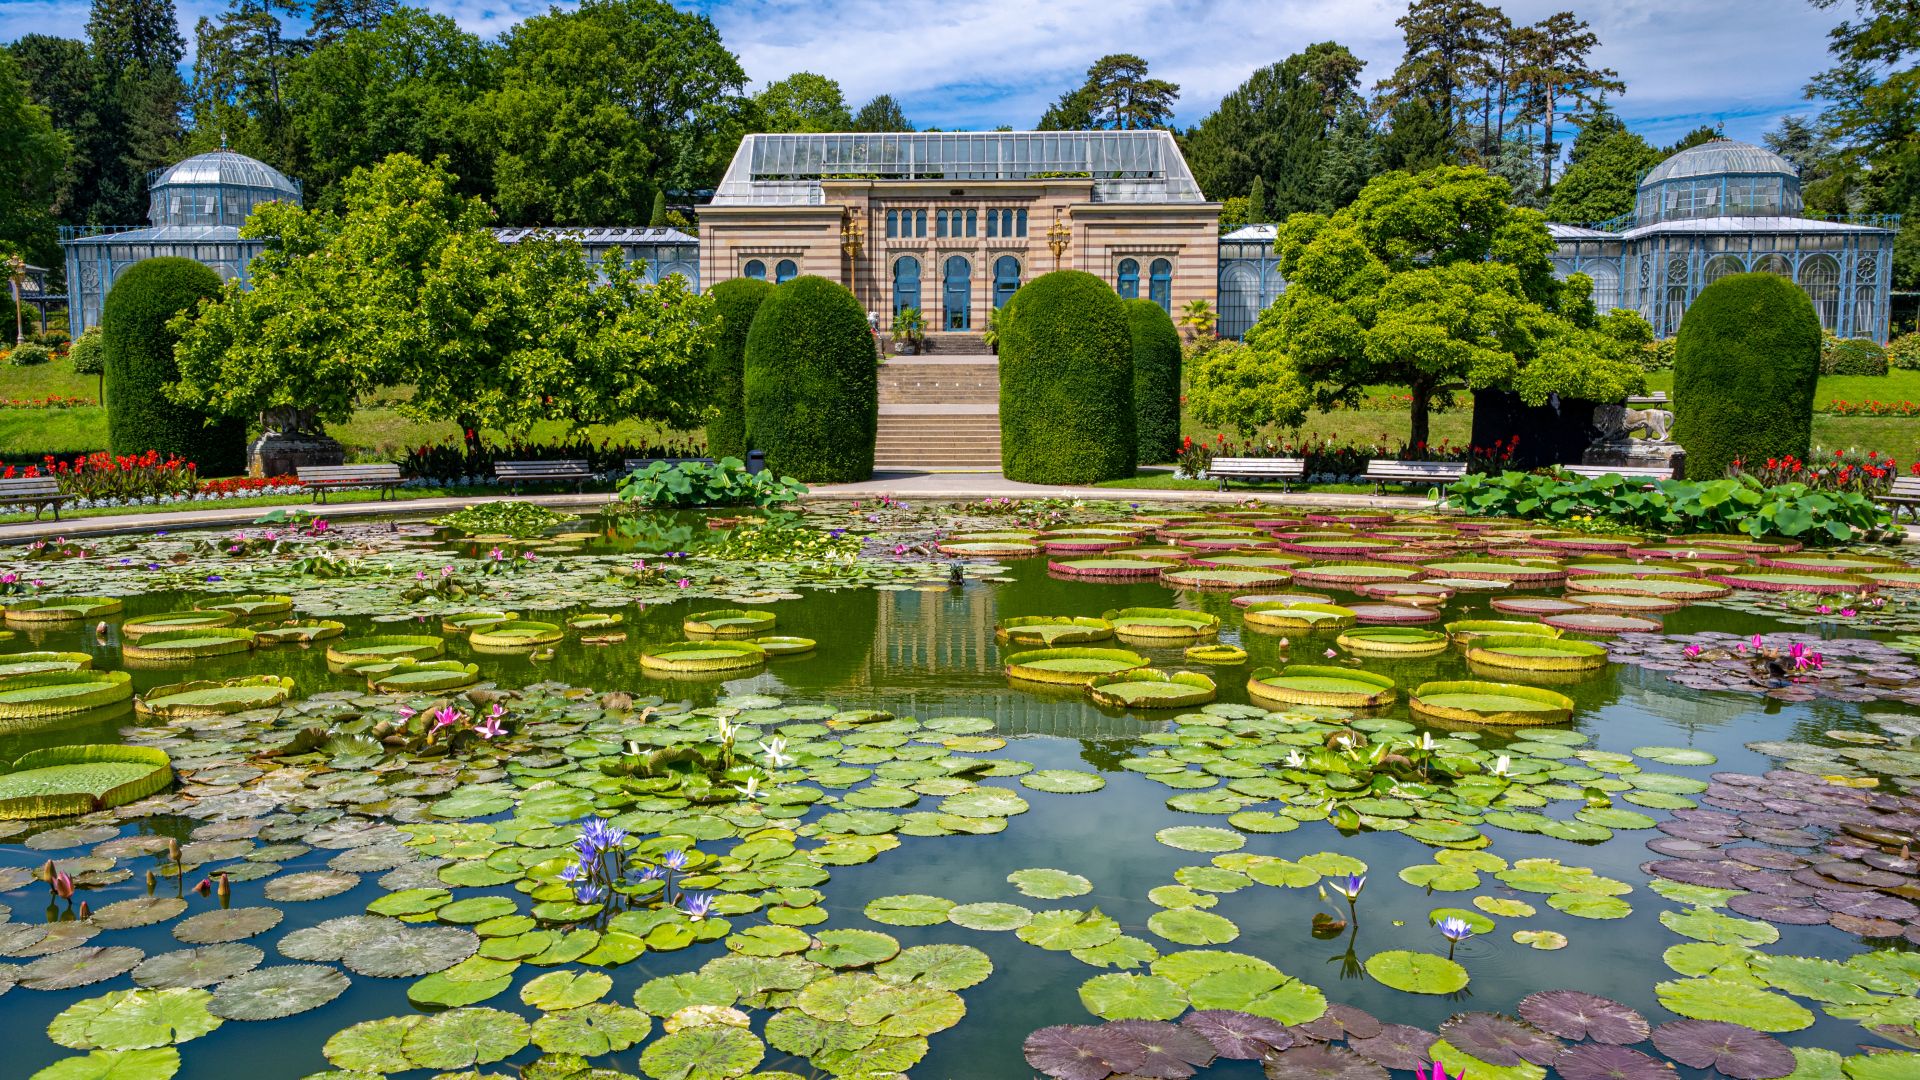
(194,208)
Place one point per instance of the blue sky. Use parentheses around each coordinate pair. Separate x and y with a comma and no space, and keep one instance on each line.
(979,63)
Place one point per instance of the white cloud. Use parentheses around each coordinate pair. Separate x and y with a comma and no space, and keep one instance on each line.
(978,63)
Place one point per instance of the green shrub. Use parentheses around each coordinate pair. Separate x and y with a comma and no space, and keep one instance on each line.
(55,337)
(812,382)
(1657,355)
(1744,372)
(726,482)
(736,299)
(1156,381)
(1066,382)
(1903,352)
(87,354)
(29,354)
(1851,356)
(139,361)
(1724,505)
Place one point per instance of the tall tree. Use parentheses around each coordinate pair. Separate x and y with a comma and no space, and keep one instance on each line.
(1557,82)
(36,154)
(60,76)
(1873,95)
(413,83)
(804,101)
(1118,93)
(1416,138)
(1447,46)
(1697,137)
(1828,186)
(1351,159)
(599,106)
(882,114)
(243,60)
(332,19)
(1275,127)
(1603,173)
(119,103)
(135,34)
(1257,201)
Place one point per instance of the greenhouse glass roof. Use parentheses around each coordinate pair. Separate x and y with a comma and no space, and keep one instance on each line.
(1125,166)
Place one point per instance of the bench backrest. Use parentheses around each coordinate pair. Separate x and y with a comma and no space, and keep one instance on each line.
(1416,469)
(1273,466)
(1906,487)
(30,485)
(564,467)
(333,474)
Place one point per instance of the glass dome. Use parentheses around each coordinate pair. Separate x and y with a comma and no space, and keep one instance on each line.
(220,188)
(1722,178)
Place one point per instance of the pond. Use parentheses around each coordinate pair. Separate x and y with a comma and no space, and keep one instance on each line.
(870,852)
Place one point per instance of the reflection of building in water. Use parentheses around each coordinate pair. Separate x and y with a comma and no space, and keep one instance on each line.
(1651,691)
(950,631)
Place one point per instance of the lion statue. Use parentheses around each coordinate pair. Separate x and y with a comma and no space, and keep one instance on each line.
(1618,423)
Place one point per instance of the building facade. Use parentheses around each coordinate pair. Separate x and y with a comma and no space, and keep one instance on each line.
(952,223)
(1727,207)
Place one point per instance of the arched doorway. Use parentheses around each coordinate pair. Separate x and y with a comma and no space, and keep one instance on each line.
(1006,279)
(1820,277)
(958,293)
(906,284)
(1239,300)
(1160,284)
(1128,285)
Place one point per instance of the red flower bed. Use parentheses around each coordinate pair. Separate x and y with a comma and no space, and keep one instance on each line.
(101,475)
(236,485)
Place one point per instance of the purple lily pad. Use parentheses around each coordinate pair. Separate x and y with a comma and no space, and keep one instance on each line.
(1082,1052)
(1772,882)
(1688,872)
(1398,1046)
(1238,1035)
(1171,1051)
(1500,1040)
(1681,848)
(1339,1022)
(1867,928)
(1317,1061)
(1598,1061)
(1576,1015)
(1739,1052)
(1785,910)
(1767,858)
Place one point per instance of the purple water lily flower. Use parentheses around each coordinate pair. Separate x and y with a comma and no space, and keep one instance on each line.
(675,860)
(589,894)
(1349,886)
(699,906)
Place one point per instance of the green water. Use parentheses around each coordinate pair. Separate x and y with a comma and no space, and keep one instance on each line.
(932,653)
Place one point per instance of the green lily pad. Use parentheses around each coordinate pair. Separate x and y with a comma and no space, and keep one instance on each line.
(1200,838)
(558,990)
(1063,781)
(989,916)
(714,1052)
(944,967)
(134,1020)
(1417,972)
(852,948)
(909,910)
(1734,1003)
(1188,926)
(460,1038)
(1120,996)
(1047,884)
(591,1030)
(159,1063)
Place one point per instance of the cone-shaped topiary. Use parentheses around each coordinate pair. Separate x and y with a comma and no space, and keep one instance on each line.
(737,300)
(1744,370)
(1156,381)
(139,361)
(1066,382)
(812,382)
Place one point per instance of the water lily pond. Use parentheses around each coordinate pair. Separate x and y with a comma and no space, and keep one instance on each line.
(958,791)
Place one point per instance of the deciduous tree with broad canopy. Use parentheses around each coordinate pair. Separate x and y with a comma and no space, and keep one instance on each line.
(407,286)
(1436,281)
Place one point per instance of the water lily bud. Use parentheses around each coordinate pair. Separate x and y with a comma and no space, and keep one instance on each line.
(173,849)
(226,889)
(47,871)
(85,911)
(205,886)
(152,880)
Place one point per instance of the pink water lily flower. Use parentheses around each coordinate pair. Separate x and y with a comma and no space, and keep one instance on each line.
(446,717)
(1692,651)
(684,582)
(406,713)
(1848,613)
(1330,654)
(1824,609)
(1755,640)
(489,728)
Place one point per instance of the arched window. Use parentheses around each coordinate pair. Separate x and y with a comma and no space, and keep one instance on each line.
(957,296)
(1239,300)
(906,284)
(1721,266)
(1866,296)
(1006,278)
(1129,281)
(785,271)
(1676,302)
(1160,284)
(1774,264)
(756,269)
(1606,285)
(893,224)
(1820,276)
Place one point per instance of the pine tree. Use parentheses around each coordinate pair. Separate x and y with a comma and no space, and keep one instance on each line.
(333,18)
(1257,201)
(658,218)
(1556,81)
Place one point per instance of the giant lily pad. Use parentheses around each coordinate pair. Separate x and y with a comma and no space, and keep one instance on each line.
(714,1052)
(1071,667)
(59,693)
(460,1038)
(1738,1052)
(1147,688)
(187,644)
(1307,684)
(1468,702)
(65,780)
(1161,624)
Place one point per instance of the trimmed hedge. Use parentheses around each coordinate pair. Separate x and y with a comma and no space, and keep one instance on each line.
(737,300)
(1156,382)
(1744,371)
(1066,382)
(812,383)
(1851,356)
(139,361)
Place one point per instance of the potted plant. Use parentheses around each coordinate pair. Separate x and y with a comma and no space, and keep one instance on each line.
(908,332)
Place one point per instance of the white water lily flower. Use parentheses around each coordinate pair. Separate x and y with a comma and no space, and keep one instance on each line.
(1295,759)
(751,788)
(776,751)
(726,730)
(1501,764)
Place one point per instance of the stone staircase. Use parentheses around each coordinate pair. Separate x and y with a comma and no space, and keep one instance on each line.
(939,413)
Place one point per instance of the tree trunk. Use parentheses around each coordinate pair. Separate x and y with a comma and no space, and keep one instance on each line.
(1422,394)
(1546,147)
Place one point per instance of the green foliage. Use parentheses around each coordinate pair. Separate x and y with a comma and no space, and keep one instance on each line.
(1066,382)
(1851,356)
(519,520)
(1433,281)
(29,354)
(1231,386)
(1725,505)
(1156,381)
(1268,139)
(1658,355)
(736,300)
(88,355)
(1117,94)
(1745,366)
(36,157)
(1235,210)
(1903,352)
(803,101)
(909,325)
(138,338)
(996,320)
(665,486)
(812,379)
(658,218)
(1602,178)
(784,541)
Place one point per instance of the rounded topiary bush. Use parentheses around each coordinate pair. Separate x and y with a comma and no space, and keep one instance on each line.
(1744,369)
(87,354)
(138,351)
(1156,382)
(737,300)
(1066,382)
(812,382)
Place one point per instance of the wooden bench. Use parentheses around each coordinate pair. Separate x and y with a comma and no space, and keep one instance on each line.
(324,478)
(1283,469)
(1440,474)
(1904,495)
(1624,472)
(39,492)
(516,474)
